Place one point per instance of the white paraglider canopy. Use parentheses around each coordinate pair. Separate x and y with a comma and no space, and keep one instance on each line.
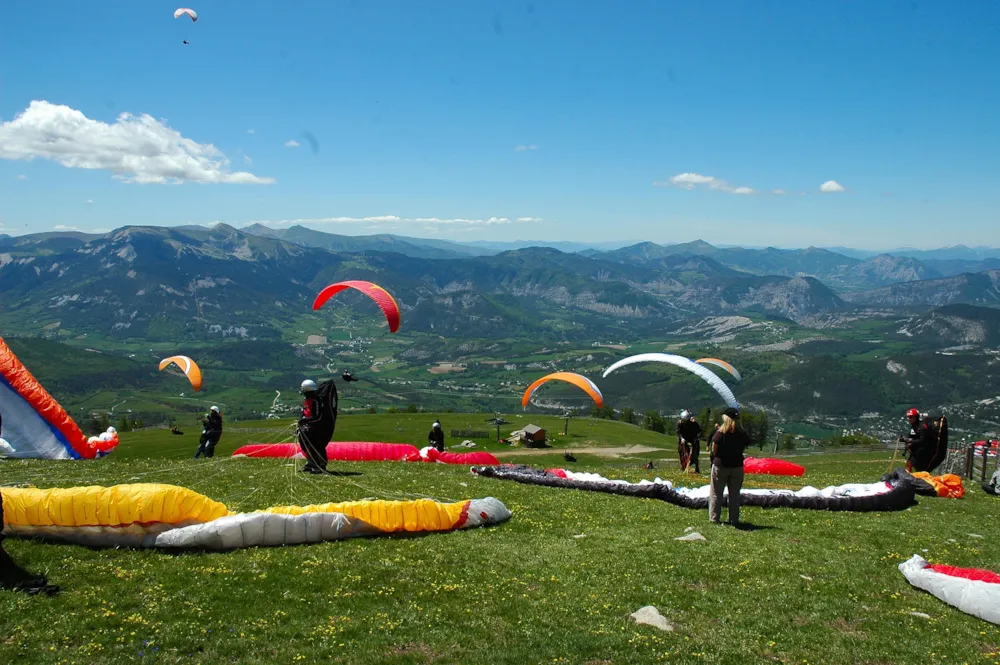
(685,363)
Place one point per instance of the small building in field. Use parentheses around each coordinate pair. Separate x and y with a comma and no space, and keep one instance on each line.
(533,435)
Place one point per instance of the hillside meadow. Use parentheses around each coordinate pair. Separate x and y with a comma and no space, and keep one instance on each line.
(554,584)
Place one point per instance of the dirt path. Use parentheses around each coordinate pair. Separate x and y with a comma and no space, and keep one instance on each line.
(586,450)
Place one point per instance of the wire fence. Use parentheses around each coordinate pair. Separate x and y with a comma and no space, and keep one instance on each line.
(972,461)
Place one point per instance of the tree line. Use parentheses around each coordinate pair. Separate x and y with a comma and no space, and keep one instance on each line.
(757,424)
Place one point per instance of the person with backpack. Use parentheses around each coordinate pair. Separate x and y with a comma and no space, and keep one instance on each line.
(689,440)
(210,434)
(316,424)
(728,444)
(436,437)
(926,444)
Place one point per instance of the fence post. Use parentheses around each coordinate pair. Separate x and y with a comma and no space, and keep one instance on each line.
(970,458)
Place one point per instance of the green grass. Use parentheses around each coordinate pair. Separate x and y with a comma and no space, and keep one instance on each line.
(525,591)
(409,428)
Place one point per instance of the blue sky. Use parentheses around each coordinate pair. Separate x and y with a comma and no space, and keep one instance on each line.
(418,110)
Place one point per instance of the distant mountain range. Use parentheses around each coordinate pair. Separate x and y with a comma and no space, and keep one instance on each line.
(158,283)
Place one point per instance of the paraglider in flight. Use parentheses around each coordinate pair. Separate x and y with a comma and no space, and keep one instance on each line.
(188,366)
(382,298)
(581,382)
(723,364)
(689,365)
(190,13)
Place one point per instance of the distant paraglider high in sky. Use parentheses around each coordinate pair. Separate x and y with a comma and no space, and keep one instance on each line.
(188,366)
(685,363)
(581,382)
(181,12)
(382,298)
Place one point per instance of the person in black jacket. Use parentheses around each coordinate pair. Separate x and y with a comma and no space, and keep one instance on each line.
(921,443)
(689,441)
(728,444)
(12,576)
(315,429)
(436,437)
(211,433)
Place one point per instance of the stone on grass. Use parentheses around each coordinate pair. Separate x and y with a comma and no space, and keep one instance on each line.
(651,616)
(692,536)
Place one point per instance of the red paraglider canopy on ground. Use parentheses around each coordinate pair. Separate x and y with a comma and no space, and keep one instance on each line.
(975,574)
(433,455)
(344,451)
(772,467)
(368,451)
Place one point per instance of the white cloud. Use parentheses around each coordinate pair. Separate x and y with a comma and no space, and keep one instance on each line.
(137,149)
(393,219)
(251,131)
(690,181)
(246,158)
(292,143)
(21,176)
(522,148)
(830,187)
(63,227)
(89,201)
(779,192)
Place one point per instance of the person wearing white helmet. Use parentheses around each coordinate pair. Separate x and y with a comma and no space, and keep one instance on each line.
(210,434)
(688,441)
(315,427)
(436,437)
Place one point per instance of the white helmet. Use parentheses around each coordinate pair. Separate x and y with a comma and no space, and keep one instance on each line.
(308,386)
(685,414)
(215,408)
(436,425)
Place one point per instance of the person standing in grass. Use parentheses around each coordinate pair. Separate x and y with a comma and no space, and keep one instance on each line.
(689,441)
(316,425)
(436,437)
(211,433)
(728,444)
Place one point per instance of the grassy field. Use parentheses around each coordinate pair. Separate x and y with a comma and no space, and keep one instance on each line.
(555,584)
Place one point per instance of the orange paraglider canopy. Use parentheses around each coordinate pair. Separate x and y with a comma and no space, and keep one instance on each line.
(188,366)
(723,364)
(581,382)
(381,297)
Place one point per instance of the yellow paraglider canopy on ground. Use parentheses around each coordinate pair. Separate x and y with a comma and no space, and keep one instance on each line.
(166,516)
